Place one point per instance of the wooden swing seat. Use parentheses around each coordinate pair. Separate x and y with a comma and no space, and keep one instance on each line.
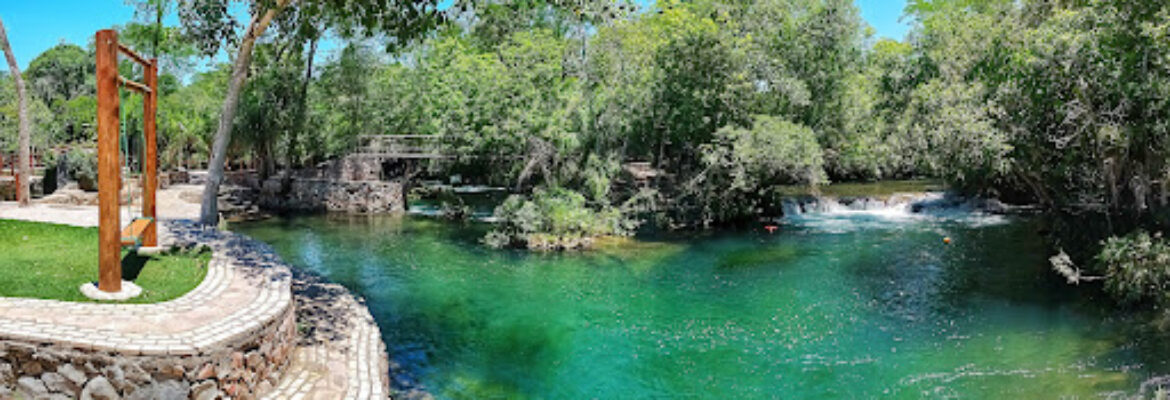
(132,233)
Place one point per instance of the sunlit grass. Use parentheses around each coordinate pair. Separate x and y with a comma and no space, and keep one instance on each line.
(49,261)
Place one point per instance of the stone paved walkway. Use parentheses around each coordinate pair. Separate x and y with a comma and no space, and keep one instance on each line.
(339,354)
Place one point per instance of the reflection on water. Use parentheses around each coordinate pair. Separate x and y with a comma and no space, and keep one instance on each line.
(841,304)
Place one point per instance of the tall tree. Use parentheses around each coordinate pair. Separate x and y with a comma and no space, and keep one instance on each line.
(61,73)
(22,190)
(211,23)
(209,213)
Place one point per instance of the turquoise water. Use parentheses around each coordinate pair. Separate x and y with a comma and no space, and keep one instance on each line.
(841,305)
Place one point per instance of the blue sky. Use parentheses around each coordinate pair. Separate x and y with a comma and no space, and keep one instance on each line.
(36,25)
(883,15)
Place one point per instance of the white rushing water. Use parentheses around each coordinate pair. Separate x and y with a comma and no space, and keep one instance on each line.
(841,215)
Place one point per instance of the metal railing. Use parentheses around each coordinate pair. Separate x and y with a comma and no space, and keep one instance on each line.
(399,147)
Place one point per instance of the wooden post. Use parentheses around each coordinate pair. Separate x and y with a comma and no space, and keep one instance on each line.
(109,172)
(150,164)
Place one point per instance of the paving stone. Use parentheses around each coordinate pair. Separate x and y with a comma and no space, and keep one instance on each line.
(351,363)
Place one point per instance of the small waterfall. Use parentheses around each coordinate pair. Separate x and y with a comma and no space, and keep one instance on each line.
(892,205)
(839,214)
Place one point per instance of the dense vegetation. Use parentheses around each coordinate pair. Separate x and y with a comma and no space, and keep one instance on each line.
(1065,104)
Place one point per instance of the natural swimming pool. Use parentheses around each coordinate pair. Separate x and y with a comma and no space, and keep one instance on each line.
(833,305)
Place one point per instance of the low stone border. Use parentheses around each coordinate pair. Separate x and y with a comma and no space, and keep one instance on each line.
(230,336)
(253,328)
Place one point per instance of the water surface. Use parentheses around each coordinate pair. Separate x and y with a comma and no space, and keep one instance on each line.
(839,305)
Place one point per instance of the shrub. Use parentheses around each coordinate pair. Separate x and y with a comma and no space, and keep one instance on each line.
(1137,267)
(81,166)
(554,219)
(743,165)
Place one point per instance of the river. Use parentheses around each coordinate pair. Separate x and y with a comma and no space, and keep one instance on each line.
(834,304)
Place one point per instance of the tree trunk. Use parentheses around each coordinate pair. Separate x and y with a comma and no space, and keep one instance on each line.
(23,161)
(209,212)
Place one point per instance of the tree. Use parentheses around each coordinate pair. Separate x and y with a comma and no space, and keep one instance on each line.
(210,22)
(269,105)
(209,214)
(22,191)
(741,167)
(61,73)
(344,86)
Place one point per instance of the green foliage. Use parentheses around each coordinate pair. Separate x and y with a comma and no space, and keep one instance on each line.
(270,106)
(81,165)
(212,26)
(1137,267)
(61,73)
(344,109)
(557,216)
(951,127)
(771,151)
(743,165)
(174,52)
(42,119)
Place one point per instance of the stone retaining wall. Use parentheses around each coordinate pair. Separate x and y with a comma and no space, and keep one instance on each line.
(230,337)
(359,197)
(348,185)
(8,187)
(244,369)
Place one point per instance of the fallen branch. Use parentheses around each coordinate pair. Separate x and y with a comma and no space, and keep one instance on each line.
(1063,265)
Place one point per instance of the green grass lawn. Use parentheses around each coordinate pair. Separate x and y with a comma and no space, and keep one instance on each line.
(50,261)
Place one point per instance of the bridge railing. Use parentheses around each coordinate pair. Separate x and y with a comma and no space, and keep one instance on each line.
(399,146)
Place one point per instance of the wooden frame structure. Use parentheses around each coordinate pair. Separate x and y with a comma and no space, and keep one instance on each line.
(112,237)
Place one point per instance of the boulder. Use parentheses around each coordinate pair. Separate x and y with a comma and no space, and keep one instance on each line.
(31,387)
(206,390)
(161,390)
(58,383)
(71,373)
(99,389)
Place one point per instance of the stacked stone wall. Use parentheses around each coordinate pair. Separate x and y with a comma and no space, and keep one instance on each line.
(242,368)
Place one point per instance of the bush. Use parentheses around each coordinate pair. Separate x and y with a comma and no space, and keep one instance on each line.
(1137,267)
(743,165)
(555,219)
(81,166)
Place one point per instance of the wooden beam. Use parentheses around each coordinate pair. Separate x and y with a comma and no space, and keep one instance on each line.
(109,172)
(367,137)
(138,87)
(150,164)
(134,56)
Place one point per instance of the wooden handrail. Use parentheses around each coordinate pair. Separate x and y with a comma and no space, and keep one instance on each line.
(141,88)
(135,56)
(368,137)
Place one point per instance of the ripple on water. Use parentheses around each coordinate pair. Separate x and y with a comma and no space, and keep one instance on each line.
(841,303)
